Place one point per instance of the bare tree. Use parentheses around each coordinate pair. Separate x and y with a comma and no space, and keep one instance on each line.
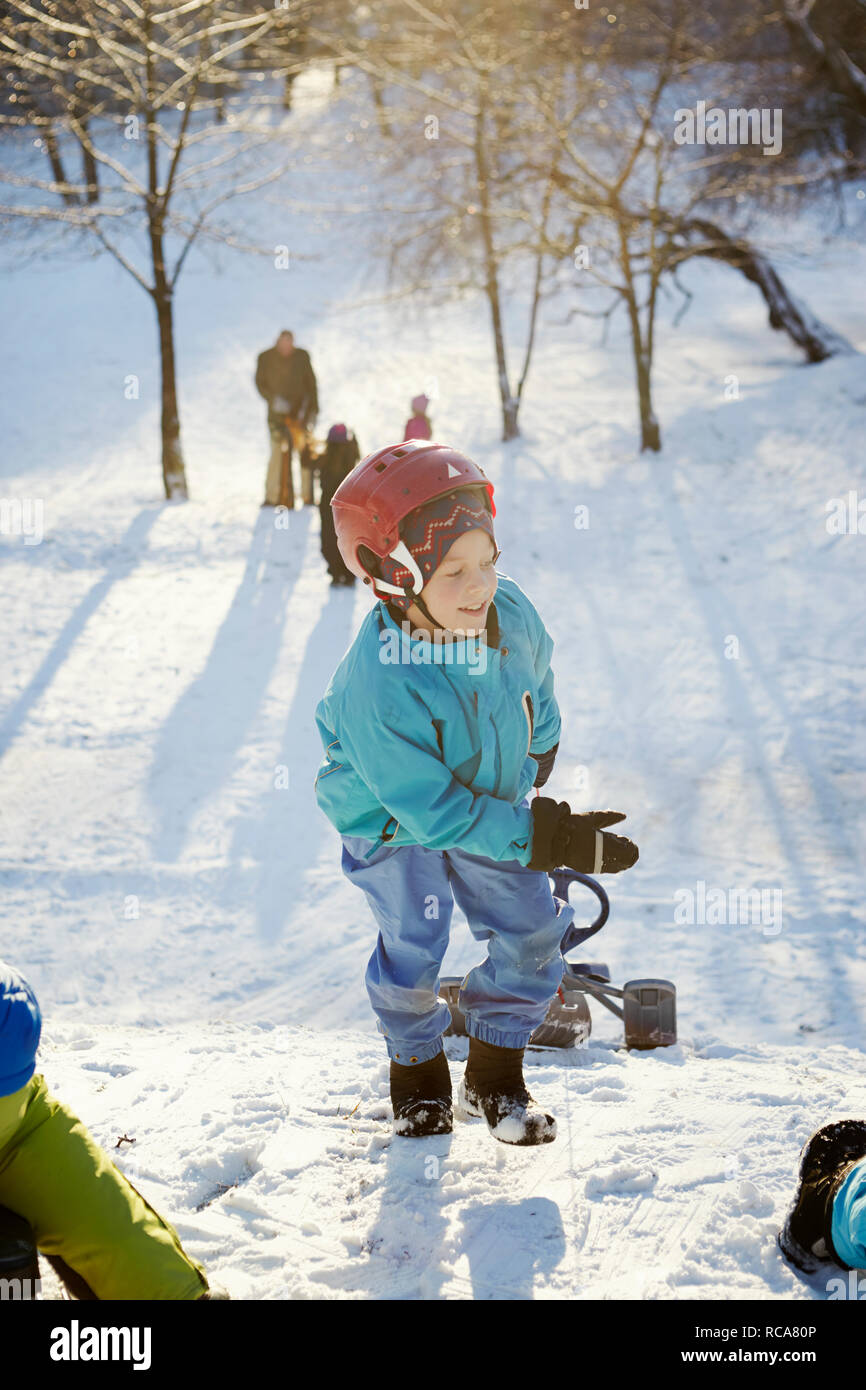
(446,78)
(550,136)
(154,100)
(841,50)
(634,200)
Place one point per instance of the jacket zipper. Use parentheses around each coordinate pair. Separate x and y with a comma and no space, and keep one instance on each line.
(332,761)
(530,719)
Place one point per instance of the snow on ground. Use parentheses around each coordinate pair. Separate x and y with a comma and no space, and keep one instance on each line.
(271,1148)
(181,913)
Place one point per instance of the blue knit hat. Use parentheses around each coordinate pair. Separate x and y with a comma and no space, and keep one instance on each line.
(20,1029)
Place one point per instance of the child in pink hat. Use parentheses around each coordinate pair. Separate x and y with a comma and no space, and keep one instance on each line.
(418,426)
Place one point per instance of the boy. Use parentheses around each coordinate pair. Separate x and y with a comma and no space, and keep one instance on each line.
(61,1193)
(433,738)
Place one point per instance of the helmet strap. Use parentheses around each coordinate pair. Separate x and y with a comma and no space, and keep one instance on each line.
(419,603)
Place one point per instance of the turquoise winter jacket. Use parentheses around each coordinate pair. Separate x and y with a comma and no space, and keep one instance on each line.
(437,753)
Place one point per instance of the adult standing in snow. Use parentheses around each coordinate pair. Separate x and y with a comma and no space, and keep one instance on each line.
(433,739)
(61,1194)
(285,379)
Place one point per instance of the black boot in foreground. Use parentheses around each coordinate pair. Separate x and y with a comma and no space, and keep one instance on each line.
(493,1087)
(826,1159)
(421,1097)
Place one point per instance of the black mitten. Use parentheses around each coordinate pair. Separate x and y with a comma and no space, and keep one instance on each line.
(590,850)
(560,838)
(549,834)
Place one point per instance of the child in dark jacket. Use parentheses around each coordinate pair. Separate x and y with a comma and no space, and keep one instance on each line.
(436,725)
(340,456)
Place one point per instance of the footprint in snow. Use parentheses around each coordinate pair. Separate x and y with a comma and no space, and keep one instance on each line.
(625,1178)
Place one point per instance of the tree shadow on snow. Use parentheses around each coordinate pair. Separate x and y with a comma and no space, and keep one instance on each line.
(200,740)
(285,828)
(721,618)
(130,549)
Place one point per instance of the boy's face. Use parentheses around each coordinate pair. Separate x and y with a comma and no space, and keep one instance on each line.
(460,591)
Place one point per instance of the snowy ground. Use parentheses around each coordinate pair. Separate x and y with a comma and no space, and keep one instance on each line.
(271,1148)
(199,957)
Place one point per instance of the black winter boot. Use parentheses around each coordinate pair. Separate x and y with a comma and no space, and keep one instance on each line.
(826,1159)
(421,1097)
(493,1086)
(19,1258)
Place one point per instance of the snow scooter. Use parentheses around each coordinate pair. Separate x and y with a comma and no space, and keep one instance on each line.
(648,1009)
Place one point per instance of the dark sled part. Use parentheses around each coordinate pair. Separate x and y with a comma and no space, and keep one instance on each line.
(595,970)
(568,1022)
(449,990)
(649,1013)
(575,936)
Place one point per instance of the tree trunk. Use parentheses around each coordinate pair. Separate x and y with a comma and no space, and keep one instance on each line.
(650,434)
(91,173)
(382,121)
(808,332)
(173,474)
(52,149)
(510,403)
(510,409)
(536,288)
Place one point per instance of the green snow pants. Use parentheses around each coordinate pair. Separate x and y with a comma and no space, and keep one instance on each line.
(82,1209)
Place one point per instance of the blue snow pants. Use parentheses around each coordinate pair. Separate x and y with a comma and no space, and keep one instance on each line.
(411,891)
(848,1232)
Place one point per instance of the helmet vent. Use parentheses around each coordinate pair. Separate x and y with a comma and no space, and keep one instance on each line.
(398,453)
(380,467)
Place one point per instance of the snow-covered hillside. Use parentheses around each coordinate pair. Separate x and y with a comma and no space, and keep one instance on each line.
(198,955)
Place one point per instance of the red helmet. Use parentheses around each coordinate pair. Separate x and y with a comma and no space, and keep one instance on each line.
(383,488)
